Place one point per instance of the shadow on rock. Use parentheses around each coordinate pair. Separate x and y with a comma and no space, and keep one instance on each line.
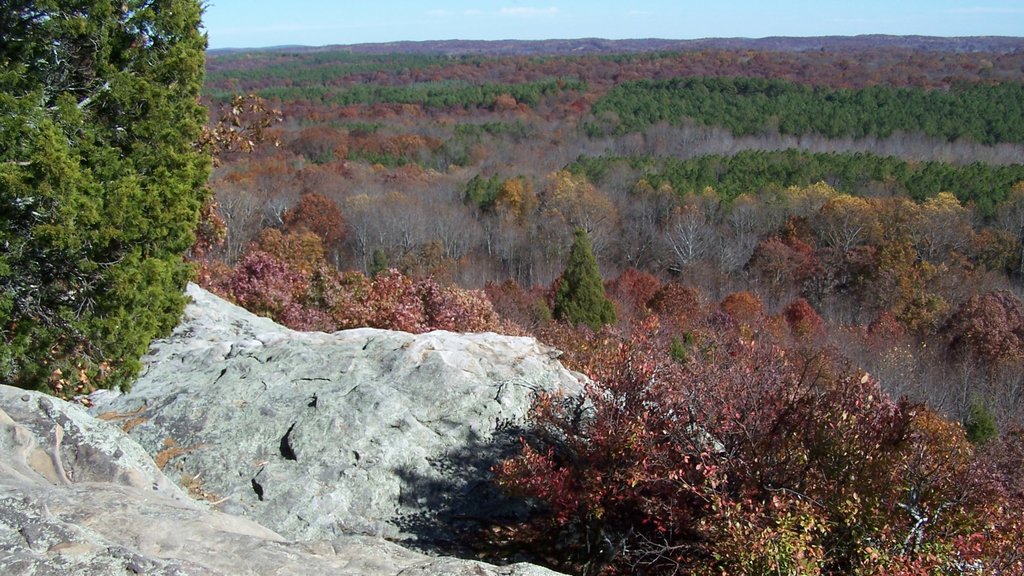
(452,505)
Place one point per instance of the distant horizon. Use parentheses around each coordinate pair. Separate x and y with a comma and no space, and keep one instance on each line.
(622,40)
(711,39)
(253,24)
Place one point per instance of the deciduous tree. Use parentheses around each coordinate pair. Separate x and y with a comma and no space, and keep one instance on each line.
(989,327)
(319,215)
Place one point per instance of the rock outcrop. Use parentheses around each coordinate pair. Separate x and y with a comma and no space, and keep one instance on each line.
(320,435)
(78,497)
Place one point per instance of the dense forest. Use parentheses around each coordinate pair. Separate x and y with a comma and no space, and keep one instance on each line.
(986,114)
(791,270)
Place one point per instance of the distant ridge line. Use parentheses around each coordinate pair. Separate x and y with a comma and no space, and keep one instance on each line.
(592,46)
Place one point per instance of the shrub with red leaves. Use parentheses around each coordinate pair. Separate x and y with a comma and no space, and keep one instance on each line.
(631,291)
(392,301)
(742,458)
(886,330)
(527,309)
(265,285)
(455,309)
(291,283)
(781,266)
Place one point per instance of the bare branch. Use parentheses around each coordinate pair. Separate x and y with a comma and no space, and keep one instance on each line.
(82,105)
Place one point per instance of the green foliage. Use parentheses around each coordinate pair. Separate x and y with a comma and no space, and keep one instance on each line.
(986,114)
(855,174)
(542,312)
(979,424)
(580,297)
(380,262)
(102,184)
(678,349)
(482,192)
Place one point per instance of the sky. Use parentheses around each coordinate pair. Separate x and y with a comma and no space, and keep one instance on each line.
(262,23)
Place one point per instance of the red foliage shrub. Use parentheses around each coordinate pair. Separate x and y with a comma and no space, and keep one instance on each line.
(215,276)
(526,309)
(455,309)
(740,459)
(300,291)
(781,266)
(631,291)
(265,285)
(1002,544)
(886,330)
(392,301)
(300,317)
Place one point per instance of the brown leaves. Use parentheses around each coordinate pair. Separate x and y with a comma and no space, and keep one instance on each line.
(240,126)
(319,215)
(988,326)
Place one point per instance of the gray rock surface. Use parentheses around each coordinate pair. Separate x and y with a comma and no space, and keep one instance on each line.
(78,497)
(319,435)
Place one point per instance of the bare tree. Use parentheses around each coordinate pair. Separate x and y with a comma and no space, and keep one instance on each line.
(690,236)
(242,212)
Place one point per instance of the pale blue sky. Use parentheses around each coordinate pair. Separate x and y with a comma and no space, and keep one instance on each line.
(258,23)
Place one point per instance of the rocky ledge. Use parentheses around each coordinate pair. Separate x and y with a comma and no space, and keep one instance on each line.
(300,453)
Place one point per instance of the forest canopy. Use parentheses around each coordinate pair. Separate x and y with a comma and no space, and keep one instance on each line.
(750,172)
(986,114)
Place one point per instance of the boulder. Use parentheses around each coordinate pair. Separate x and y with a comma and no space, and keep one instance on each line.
(78,497)
(317,435)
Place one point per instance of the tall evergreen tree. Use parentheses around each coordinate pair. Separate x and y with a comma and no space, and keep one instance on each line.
(101,183)
(580,298)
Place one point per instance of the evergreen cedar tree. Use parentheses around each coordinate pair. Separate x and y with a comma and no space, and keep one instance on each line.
(102,182)
(580,297)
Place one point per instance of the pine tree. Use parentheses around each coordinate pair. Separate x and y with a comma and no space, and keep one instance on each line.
(580,298)
(980,425)
(101,184)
